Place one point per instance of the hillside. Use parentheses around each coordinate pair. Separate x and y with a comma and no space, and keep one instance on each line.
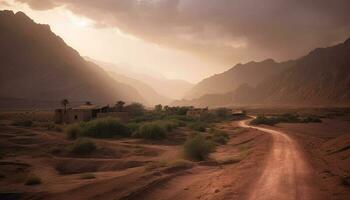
(168,88)
(37,64)
(321,78)
(251,73)
(148,93)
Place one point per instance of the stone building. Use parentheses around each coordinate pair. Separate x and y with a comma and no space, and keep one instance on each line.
(197,113)
(87,112)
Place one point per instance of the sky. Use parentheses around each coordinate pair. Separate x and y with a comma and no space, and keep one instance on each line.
(191,39)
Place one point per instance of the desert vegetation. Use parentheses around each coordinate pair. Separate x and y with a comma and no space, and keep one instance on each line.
(285,118)
(83,146)
(198,147)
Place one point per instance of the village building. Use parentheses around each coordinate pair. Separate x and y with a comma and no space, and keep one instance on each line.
(238,113)
(197,113)
(88,112)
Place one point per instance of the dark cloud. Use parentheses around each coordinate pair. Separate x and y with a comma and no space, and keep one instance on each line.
(224,30)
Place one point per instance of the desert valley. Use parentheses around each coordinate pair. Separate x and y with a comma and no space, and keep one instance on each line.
(76,127)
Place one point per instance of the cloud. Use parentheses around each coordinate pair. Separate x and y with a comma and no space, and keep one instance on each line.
(226,31)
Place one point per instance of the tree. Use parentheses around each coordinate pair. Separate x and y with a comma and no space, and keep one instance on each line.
(158,108)
(166,108)
(135,109)
(120,105)
(65,102)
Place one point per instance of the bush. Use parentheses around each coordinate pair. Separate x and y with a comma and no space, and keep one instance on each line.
(33,180)
(99,128)
(310,119)
(73,131)
(83,146)
(285,118)
(169,125)
(133,127)
(105,128)
(198,147)
(23,122)
(151,130)
(198,126)
(135,109)
(182,118)
(261,119)
(219,137)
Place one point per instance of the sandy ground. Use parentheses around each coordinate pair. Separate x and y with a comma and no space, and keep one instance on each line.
(287,175)
(287,161)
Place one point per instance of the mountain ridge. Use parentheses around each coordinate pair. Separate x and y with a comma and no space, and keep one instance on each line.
(38,63)
(320,78)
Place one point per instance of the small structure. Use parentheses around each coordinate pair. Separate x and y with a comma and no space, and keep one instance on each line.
(88,112)
(238,113)
(197,113)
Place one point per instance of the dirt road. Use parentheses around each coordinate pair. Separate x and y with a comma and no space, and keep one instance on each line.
(287,175)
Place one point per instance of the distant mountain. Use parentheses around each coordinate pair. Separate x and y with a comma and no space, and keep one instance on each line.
(251,73)
(169,88)
(148,93)
(321,78)
(37,64)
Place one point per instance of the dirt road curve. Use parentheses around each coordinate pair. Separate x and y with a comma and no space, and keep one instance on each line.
(287,176)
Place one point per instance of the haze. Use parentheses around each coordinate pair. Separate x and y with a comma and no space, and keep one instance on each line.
(190,39)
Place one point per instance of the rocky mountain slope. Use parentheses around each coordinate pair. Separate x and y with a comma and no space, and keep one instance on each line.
(251,73)
(37,64)
(321,78)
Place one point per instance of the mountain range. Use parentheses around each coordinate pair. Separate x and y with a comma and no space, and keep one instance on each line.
(154,88)
(251,73)
(37,65)
(321,78)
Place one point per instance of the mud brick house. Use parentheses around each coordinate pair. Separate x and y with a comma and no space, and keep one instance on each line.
(197,113)
(85,113)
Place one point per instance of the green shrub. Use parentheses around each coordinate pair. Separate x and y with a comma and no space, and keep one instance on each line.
(33,180)
(285,118)
(198,126)
(73,131)
(169,125)
(198,147)
(135,109)
(219,137)
(182,118)
(83,146)
(151,130)
(23,122)
(261,119)
(310,119)
(133,127)
(105,128)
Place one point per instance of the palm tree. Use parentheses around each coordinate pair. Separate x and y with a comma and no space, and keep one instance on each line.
(65,102)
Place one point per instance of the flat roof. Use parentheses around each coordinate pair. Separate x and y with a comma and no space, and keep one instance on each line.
(88,107)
